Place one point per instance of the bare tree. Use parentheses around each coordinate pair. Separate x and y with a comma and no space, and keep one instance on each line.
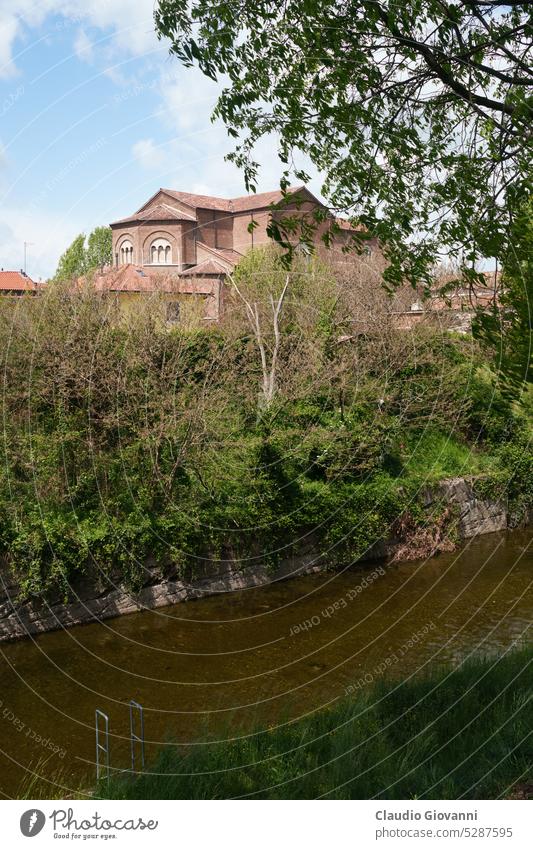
(269,359)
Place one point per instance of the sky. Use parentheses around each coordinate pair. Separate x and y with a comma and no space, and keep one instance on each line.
(95,116)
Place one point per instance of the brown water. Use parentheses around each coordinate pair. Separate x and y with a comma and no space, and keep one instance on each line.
(244,659)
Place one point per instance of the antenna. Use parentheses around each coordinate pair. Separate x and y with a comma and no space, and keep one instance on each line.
(26,245)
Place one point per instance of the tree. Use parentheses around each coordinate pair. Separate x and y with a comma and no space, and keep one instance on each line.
(80,258)
(269,360)
(416,113)
(100,248)
(73,262)
(508,327)
(290,318)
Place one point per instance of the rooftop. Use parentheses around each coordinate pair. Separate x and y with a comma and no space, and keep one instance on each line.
(233,206)
(238,204)
(16,281)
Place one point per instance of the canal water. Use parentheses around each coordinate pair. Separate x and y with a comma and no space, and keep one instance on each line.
(258,657)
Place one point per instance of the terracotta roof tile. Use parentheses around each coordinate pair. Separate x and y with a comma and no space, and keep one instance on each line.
(200,201)
(132,278)
(245,203)
(238,204)
(163,211)
(263,199)
(16,281)
(159,212)
(208,266)
(227,254)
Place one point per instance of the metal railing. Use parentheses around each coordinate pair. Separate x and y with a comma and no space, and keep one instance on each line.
(101,747)
(101,729)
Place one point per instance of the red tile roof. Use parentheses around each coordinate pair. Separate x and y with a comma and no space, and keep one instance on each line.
(234,206)
(239,204)
(208,266)
(132,278)
(227,254)
(263,199)
(16,281)
(200,201)
(159,212)
(164,211)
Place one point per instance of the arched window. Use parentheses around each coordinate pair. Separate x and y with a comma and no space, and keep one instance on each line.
(126,252)
(161,252)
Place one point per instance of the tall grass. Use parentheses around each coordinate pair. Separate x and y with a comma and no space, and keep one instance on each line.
(434,456)
(455,733)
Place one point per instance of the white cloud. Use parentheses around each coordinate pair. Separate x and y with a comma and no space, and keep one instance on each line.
(199,146)
(132,24)
(83,46)
(3,156)
(8,32)
(147,153)
(189,98)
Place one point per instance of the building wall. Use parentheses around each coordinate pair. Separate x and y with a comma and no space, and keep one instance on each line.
(214,228)
(200,300)
(189,239)
(170,232)
(143,234)
(126,233)
(243,240)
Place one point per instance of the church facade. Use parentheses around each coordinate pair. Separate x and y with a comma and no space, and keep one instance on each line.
(188,242)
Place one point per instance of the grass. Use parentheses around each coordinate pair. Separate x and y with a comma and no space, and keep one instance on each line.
(456,733)
(434,456)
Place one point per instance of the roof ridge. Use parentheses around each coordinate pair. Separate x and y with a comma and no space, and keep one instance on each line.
(288,190)
(185,197)
(198,267)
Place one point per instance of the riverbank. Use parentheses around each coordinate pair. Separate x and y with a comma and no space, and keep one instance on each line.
(144,465)
(462,732)
(460,514)
(247,658)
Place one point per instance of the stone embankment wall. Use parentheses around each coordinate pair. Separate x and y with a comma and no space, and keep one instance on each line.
(96,597)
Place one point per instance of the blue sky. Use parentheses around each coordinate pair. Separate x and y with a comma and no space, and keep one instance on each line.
(94,117)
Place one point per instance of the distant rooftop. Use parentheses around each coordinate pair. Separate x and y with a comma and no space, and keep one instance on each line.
(16,281)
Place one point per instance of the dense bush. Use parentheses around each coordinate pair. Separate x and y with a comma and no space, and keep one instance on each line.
(124,438)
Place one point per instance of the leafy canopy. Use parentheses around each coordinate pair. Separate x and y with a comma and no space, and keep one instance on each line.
(417,113)
(80,258)
(508,327)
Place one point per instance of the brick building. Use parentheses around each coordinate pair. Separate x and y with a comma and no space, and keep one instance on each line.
(189,242)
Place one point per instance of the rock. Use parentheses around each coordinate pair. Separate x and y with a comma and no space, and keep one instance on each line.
(476,516)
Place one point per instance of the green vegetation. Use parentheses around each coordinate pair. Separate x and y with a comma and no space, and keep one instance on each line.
(507,329)
(453,733)
(81,257)
(126,439)
(433,162)
(424,141)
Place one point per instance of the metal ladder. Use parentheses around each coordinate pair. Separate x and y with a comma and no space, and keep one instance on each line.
(101,729)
